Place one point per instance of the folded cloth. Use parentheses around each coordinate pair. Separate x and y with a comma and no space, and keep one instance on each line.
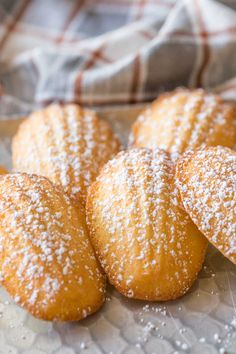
(113,52)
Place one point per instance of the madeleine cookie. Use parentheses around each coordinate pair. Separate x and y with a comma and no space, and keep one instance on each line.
(3,170)
(207,184)
(67,144)
(185,119)
(47,262)
(149,247)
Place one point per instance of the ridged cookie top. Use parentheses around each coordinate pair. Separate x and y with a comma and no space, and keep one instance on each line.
(185,119)
(207,182)
(67,144)
(46,260)
(147,245)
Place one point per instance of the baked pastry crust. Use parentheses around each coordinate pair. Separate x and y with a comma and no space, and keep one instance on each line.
(207,184)
(47,262)
(3,170)
(185,119)
(148,246)
(67,144)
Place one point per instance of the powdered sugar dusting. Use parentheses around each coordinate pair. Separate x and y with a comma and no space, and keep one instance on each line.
(207,181)
(67,144)
(185,119)
(45,250)
(141,235)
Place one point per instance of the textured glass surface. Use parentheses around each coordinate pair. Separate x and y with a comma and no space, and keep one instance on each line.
(203,321)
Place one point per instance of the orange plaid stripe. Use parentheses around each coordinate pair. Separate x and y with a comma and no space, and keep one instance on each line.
(9,27)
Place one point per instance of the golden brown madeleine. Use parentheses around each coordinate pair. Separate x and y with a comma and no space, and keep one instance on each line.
(149,247)
(47,262)
(207,184)
(67,144)
(185,119)
(3,170)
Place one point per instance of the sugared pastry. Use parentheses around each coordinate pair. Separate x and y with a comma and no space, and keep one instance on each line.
(185,119)
(3,170)
(148,246)
(46,259)
(67,144)
(207,184)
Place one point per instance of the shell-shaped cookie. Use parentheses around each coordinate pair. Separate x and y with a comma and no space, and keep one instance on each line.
(148,246)
(67,144)
(185,119)
(207,184)
(46,259)
(3,170)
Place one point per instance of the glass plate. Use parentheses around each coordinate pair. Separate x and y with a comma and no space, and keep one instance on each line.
(203,321)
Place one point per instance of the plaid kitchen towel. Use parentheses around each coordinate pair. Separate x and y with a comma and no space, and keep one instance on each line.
(113,52)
